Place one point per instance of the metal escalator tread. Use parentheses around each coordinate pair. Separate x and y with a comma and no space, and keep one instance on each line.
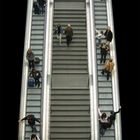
(105,98)
(33,105)
(70,116)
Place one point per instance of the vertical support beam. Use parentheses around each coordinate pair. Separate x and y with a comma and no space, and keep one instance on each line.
(21,133)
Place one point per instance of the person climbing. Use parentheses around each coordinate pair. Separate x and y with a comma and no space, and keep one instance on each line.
(112,117)
(103,122)
(69,34)
(31,121)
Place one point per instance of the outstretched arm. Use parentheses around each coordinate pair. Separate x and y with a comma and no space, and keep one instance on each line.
(37,120)
(23,119)
(99,112)
(117,111)
(37,137)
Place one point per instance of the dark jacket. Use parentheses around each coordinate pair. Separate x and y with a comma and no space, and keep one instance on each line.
(41,2)
(69,31)
(30,56)
(35,74)
(104,49)
(58,30)
(109,35)
(112,117)
(31,119)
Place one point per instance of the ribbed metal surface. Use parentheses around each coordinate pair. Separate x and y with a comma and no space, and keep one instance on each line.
(104,87)
(34,94)
(70,116)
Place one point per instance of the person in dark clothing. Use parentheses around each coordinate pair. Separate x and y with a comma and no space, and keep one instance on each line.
(31,121)
(41,2)
(30,58)
(103,127)
(42,5)
(112,117)
(69,34)
(103,122)
(36,8)
(59,32)
(104,50)
(31,81)
(36,75)
(108,35)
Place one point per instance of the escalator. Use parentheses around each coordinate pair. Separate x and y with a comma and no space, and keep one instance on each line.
(70,100)
(34,94)
(68,109)
(105,97)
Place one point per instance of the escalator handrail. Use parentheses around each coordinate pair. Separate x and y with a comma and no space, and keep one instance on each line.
(47,54)
(115,85)
(21,130)
(92,70)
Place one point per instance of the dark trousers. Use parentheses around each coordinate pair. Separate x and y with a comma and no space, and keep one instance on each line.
(108,73)
(36,8)
(41,5)
(42,8)
(37,82)
(31,64)
(102,131)
(33,127)
(103,57)
(102,128)
(69,39)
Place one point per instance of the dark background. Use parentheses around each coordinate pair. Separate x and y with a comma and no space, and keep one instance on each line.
(127,36)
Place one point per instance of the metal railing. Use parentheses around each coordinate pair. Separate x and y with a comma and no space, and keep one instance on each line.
(92,70)
(21,133)
(47,71)
(115,85)
(95,97)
